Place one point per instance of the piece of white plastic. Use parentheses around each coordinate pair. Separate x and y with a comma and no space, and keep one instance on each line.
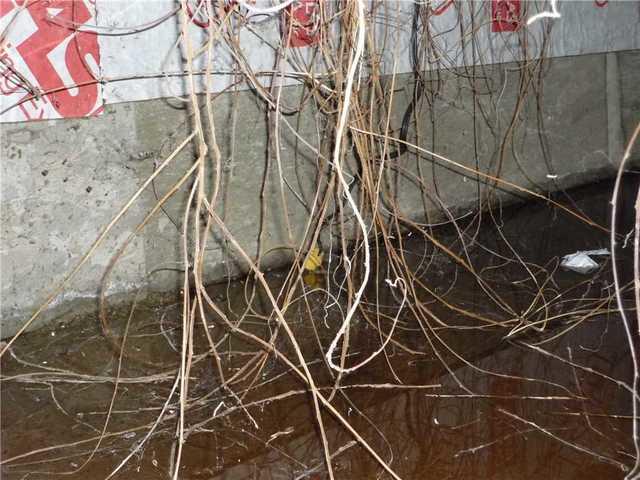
(581,261)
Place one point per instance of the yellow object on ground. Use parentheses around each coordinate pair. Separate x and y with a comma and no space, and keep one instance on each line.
(314,261)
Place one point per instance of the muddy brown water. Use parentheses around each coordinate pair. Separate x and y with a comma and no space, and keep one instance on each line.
(560,423)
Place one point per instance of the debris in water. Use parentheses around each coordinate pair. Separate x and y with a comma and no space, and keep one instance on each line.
(314,261)
(581,261)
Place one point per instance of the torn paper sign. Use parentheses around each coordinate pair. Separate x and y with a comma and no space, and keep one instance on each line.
(49,67)
(66,58)
(581,261)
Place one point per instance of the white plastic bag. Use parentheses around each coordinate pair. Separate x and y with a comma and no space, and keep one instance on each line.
(581,261)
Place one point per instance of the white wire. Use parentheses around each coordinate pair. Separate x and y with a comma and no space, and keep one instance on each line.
(265,10)
(546,14)
(336,160)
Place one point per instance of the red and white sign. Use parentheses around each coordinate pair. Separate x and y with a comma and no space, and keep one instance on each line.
(51,56)
(506,15)
(49,61)
(301,25)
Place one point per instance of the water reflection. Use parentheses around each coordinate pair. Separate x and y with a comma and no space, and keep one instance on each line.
(524,407)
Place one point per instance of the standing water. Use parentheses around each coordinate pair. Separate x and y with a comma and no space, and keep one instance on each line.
(454,399)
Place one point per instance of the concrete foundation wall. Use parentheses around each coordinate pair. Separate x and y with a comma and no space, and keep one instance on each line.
(63,181)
